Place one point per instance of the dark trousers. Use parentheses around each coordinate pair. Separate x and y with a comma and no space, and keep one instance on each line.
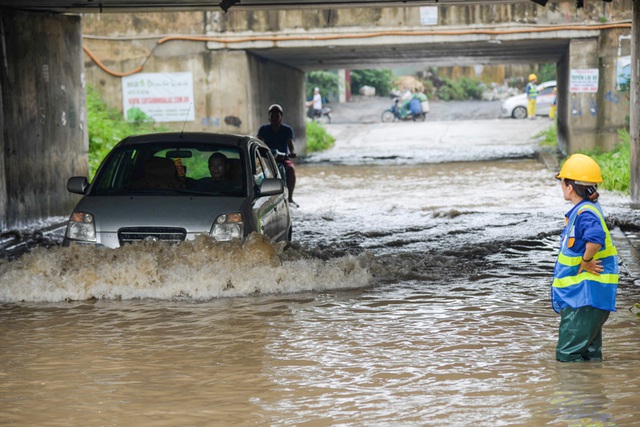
(580,334)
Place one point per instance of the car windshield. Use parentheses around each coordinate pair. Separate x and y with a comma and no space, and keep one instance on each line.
(177,168)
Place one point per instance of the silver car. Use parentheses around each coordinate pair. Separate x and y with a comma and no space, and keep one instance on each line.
(516,106)
(164,187)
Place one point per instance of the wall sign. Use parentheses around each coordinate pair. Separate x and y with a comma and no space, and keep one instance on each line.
(166,97)
(584,81)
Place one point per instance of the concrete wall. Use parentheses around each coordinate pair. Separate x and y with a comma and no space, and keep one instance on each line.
(555,12)
(43,116)
(232,89)
(277,84)
(593,120)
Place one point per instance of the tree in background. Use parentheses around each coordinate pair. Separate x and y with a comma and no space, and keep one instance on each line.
(326,81)
(379,79)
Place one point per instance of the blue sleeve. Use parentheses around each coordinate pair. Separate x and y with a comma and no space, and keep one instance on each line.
(589,228)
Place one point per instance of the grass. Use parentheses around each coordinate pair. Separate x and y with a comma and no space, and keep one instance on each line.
(318,139)
(614,164)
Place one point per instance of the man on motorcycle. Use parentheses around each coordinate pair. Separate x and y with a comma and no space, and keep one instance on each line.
(315,105)
(279,136)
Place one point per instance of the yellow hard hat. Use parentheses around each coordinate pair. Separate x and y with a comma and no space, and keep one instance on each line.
(582,169)
(533,77)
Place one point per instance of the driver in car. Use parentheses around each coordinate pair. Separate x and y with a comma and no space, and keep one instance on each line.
(220,180)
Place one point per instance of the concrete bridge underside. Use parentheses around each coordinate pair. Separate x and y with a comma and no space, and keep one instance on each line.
(43,109)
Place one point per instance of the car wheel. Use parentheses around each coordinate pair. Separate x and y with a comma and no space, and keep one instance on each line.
(387,117)
(519,113)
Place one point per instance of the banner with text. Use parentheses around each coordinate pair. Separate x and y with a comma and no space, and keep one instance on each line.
(584,81)
(165,97)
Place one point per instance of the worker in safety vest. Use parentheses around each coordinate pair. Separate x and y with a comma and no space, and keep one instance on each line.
(554,106)
(532,95)
(585,277)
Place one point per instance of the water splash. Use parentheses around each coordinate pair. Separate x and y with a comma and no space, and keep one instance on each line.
(199,270)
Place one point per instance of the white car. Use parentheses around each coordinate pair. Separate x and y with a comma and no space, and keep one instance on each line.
(516,106)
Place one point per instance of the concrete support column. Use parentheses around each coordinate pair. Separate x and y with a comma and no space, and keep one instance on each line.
(635,107)
(272,83)
(43,115)
(582,124)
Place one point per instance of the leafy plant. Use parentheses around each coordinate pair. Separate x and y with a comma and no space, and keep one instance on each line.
(379,79)
(548,137)
(615,164)
(107,127)
(318,139)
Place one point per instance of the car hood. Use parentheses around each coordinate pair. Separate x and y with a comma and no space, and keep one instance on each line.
(516,99)
(195,214)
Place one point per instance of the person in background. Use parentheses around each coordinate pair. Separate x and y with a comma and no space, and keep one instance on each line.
(553,108)
(532,95)
(315,104)
(585,276)
(279,136)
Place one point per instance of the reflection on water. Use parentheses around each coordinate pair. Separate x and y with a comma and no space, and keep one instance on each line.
(415,295)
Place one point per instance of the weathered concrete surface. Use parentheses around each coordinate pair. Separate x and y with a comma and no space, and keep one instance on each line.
(232,89)
(635,107)
(44,138)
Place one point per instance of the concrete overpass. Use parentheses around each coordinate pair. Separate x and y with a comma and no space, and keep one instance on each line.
(44,132)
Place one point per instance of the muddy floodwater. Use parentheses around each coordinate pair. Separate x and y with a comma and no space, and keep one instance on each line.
(416,293)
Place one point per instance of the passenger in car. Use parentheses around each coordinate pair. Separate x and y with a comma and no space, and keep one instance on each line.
(222,180)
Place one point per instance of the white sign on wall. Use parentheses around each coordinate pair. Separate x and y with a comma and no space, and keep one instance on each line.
(584,81)
(429,15)
(166,97)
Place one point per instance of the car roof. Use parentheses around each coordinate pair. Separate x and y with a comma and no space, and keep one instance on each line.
(547,84)
(228,139)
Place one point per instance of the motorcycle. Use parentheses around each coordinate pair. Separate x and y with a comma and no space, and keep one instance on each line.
(410,110)
(323,115)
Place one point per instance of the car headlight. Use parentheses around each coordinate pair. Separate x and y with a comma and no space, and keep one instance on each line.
(81,226)
(227,227)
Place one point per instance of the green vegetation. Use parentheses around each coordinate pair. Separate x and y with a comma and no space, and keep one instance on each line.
(379,79)
(461,89)
(107,127)
(548,137)
(317,138)
(615,164)
(326,81)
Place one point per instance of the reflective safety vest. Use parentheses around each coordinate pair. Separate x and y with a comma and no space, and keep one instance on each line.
(574,290)
(532,90)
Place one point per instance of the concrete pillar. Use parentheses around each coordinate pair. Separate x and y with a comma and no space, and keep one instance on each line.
(342,81)
(563,97)
(43,115)
(582,123)
(272,83)
(635,107)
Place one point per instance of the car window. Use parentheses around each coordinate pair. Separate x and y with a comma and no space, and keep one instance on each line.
(263,167)
(547,90)
(178,167)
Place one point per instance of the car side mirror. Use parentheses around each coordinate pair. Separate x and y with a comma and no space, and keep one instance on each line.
(77,184)
(271,187)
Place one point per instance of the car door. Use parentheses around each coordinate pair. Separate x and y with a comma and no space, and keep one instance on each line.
(270,213)
(545,100)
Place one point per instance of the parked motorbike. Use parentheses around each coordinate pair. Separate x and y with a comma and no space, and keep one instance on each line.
(410,110)
(323,115)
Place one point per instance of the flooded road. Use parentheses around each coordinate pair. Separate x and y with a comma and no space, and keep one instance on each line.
(416,294)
